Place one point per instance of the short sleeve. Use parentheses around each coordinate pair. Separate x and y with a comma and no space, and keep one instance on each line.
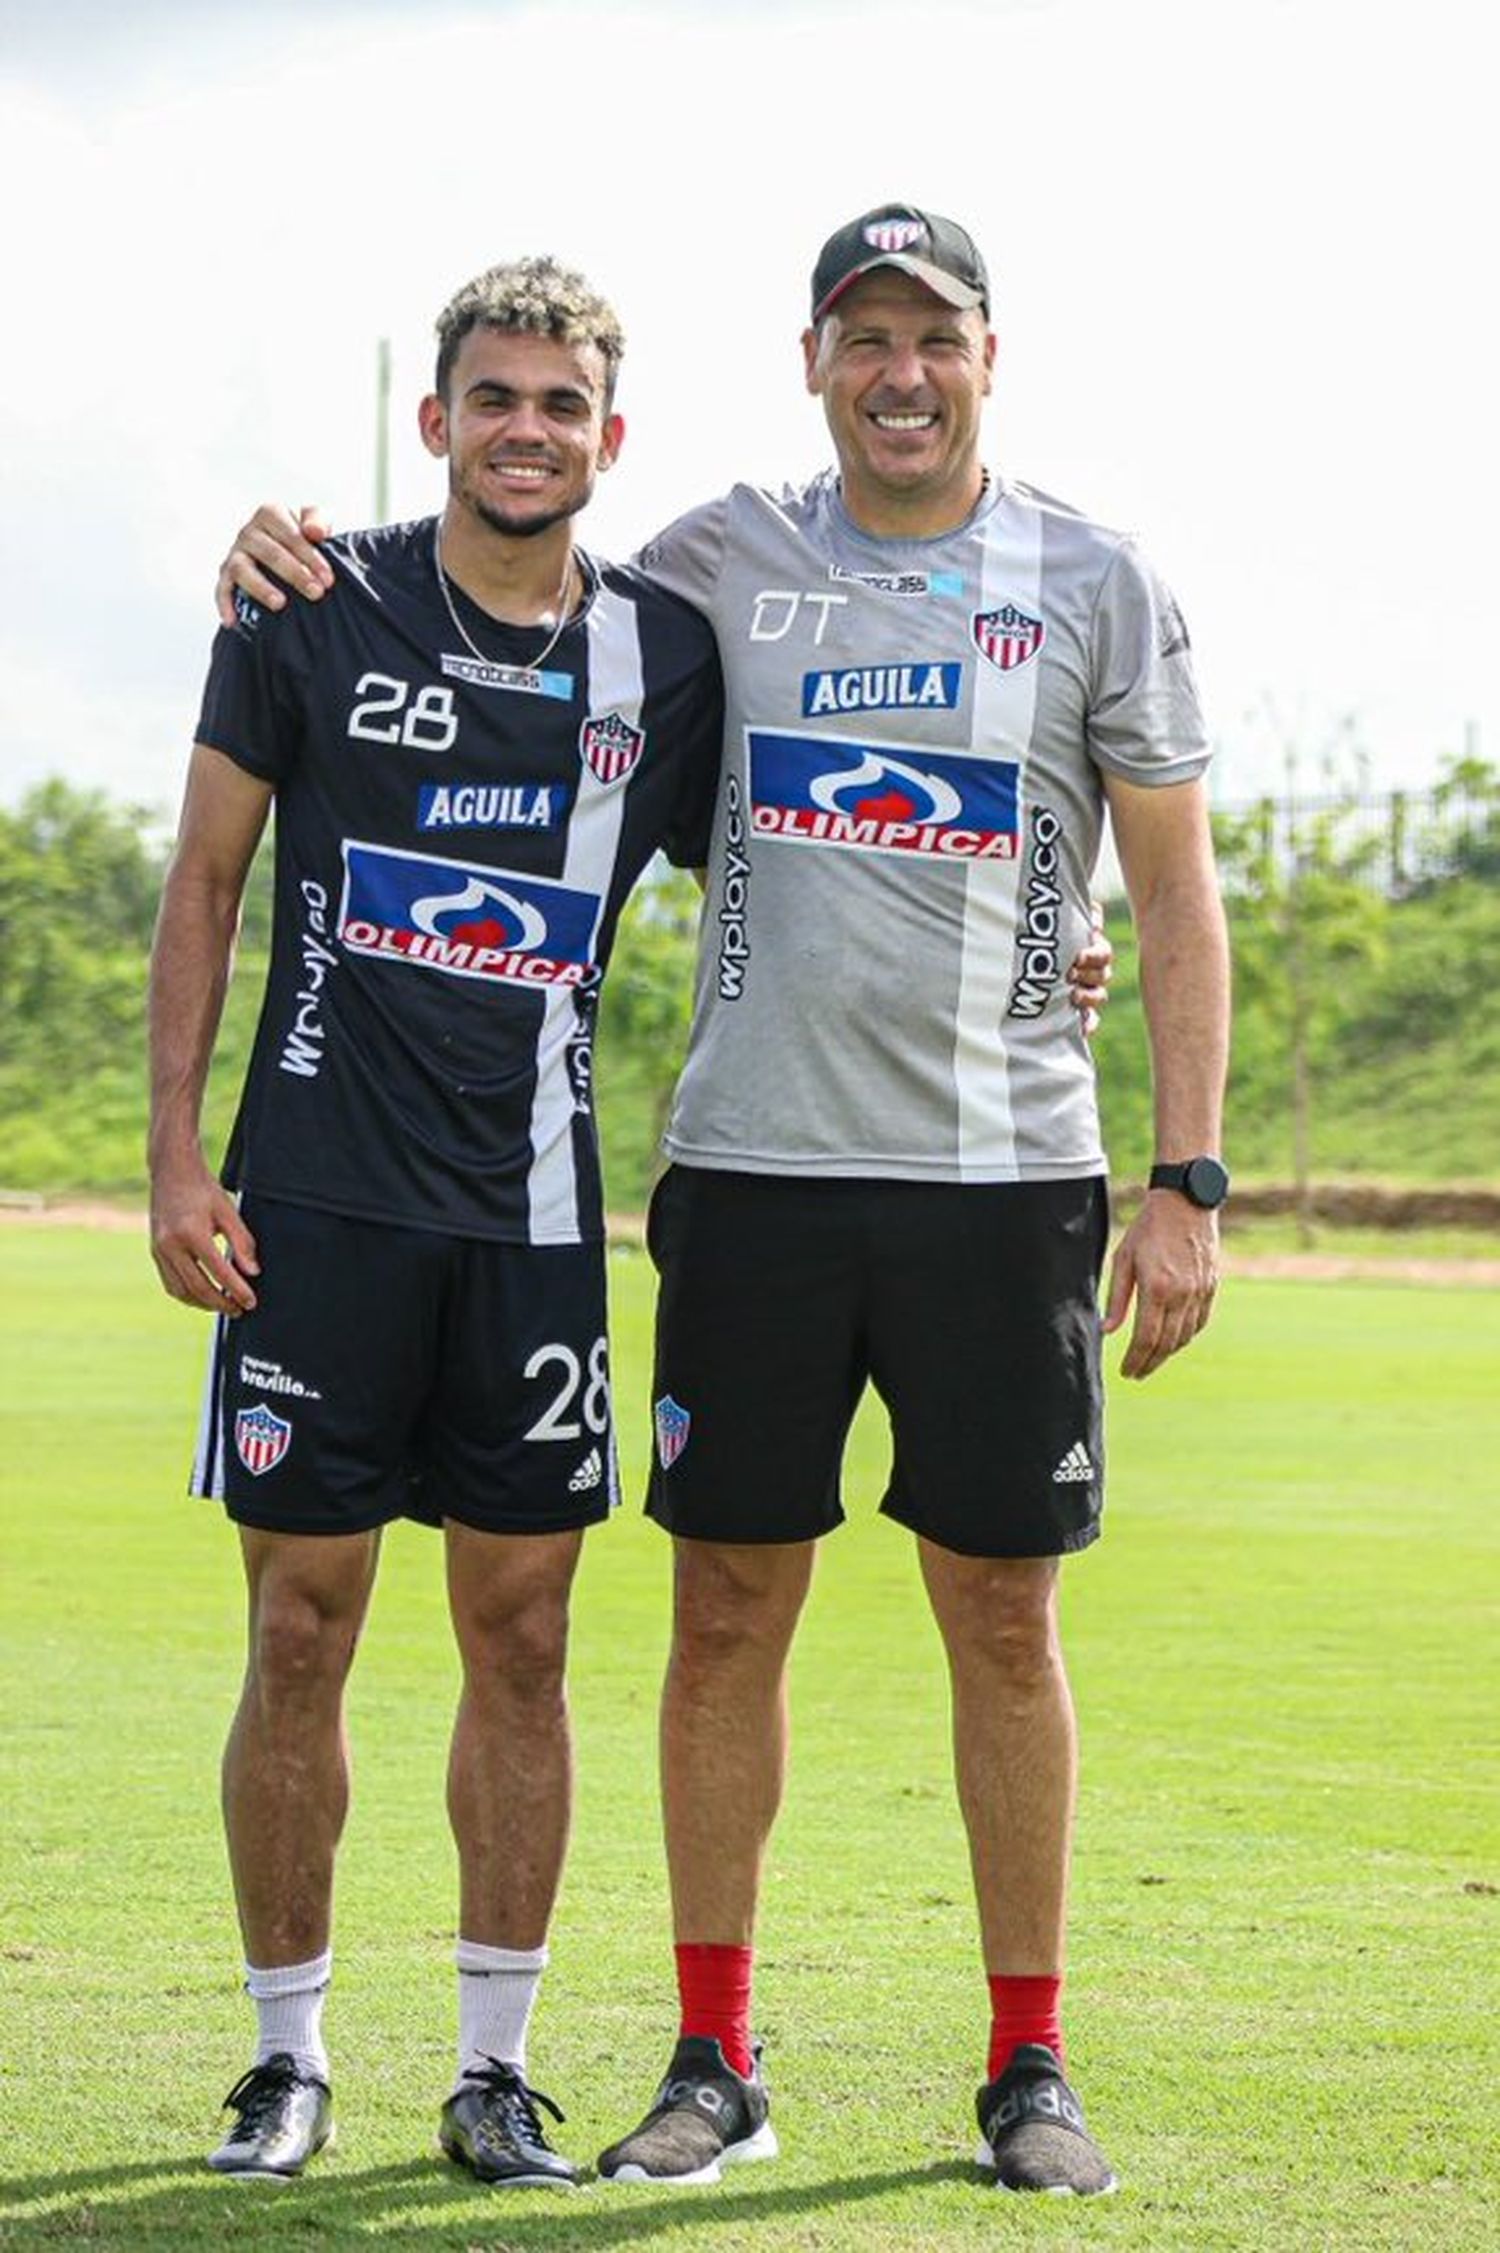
(1145,723)
(249,711)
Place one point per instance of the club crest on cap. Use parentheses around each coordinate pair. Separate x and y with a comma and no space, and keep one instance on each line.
(893,234)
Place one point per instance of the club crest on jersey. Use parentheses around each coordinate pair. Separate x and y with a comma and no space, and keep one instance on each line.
(878,688)
(261,1438)
(882,798)
(1009,637)
(465,921)
(673,1423)
(610,746)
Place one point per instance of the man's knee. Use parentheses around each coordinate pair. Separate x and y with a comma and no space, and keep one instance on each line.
(307,1605)
(732,1599)
(999,1613)
(511,1599)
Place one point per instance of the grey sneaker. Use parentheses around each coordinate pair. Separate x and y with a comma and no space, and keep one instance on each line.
(490,2125)
(1033,2131)
(284,2117)
(706,2117)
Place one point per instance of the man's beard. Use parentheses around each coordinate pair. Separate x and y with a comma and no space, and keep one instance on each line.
(519,528)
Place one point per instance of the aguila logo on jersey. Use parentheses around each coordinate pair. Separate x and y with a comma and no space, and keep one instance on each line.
(261,1438)
(484,805)
(610,746)
(878,688)
(814,790)
(465,921)
(1009,637)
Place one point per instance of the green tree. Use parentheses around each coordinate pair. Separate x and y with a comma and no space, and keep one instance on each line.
(78,890)
(1305,923)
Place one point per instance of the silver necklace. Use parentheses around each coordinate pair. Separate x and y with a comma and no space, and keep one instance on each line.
(462,630)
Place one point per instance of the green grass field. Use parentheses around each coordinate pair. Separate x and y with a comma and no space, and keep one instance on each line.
(1285,1981)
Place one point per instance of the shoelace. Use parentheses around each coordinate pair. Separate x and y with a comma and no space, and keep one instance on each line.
(255,2092)
(503,2083)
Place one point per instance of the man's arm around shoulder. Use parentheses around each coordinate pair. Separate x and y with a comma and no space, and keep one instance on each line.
(274,551)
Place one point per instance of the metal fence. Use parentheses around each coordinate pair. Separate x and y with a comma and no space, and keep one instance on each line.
(1394,841)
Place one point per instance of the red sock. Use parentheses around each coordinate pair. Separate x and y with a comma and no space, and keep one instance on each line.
(1022,2010)
(713,1986)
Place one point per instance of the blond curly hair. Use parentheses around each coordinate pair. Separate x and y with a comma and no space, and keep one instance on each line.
(539,297)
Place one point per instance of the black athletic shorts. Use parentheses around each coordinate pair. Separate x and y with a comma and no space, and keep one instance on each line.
(972,1309)
(394,1372)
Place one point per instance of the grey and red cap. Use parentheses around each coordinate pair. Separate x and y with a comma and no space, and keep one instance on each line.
(936,252)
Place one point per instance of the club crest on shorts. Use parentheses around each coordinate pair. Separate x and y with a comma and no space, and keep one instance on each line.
(610,746)
(261,1438)
(673,1424)
(1008,637)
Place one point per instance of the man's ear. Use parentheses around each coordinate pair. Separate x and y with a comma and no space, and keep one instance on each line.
(810,361)
(611,439)
(432,422)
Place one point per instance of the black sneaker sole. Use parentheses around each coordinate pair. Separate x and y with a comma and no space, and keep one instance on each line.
(518,2181)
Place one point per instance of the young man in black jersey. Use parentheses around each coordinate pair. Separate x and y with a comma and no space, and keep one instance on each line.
(472,756)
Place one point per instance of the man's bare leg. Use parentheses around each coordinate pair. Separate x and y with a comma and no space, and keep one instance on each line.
(1015,1754)
(286,1764)
(285,1785)
(725,1727)
(510,1771)
(724,1736)
(510,1790)
(1014,1747)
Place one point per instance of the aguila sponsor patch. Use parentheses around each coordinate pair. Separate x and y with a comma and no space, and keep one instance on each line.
(880,688)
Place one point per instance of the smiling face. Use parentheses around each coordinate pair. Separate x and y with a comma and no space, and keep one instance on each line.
(903,379)
(525,429)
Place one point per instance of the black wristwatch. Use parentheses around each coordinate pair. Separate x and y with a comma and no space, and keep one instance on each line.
(1202,1181)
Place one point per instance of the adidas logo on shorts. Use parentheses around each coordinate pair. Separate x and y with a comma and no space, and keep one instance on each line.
(1075,1469)
(588,1474)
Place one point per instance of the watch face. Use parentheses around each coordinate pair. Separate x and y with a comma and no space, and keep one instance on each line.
(1206,1182)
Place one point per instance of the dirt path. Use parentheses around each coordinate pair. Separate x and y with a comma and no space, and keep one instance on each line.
(1480,1274)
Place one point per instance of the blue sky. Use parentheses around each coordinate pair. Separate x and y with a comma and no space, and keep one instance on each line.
(1242,257)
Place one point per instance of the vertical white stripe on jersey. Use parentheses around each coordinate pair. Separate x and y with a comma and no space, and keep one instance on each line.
(1004,714)
(616,683)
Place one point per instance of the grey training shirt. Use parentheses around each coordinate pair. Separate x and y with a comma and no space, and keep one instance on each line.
(908,819)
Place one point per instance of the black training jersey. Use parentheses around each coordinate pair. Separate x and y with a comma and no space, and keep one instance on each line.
(455,837)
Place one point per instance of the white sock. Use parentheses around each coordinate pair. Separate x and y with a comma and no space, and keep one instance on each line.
(496,1991)
(288,2001)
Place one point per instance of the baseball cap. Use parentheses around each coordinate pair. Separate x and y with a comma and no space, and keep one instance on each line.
(935,251)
